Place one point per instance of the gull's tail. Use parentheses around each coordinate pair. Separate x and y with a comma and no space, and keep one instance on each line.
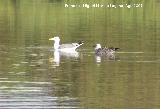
(116,49)
(81,42)
(112,48)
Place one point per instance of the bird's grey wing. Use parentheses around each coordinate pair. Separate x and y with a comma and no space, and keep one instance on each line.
(66,46)
(99,51)
(76,44)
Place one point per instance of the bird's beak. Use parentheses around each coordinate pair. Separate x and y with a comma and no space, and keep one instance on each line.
(51,38)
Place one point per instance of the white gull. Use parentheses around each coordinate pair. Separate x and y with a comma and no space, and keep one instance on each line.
(65,47)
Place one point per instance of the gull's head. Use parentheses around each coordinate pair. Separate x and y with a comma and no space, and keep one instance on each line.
(97,46)
(55,38)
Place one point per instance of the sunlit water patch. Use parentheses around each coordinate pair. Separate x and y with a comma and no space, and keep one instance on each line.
(35,95)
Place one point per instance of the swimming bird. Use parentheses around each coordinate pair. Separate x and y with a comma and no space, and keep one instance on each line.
(65,47)
(104,51)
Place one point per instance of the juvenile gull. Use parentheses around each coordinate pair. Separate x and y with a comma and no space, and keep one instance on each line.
(104,51)
(65,47)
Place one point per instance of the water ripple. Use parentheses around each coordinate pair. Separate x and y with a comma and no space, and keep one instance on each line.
(33,95)
(25,82)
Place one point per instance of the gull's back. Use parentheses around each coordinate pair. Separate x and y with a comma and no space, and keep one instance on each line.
(105,51)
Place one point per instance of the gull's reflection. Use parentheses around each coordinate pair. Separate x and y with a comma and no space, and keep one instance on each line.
(56,58)
(105,57)
(58,54)
(98,59)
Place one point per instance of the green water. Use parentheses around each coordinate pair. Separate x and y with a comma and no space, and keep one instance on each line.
(32,75)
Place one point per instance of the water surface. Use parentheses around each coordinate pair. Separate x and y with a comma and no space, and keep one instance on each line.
(32,75)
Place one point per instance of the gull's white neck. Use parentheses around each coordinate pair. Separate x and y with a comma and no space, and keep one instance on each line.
(56,44)
(98,46)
